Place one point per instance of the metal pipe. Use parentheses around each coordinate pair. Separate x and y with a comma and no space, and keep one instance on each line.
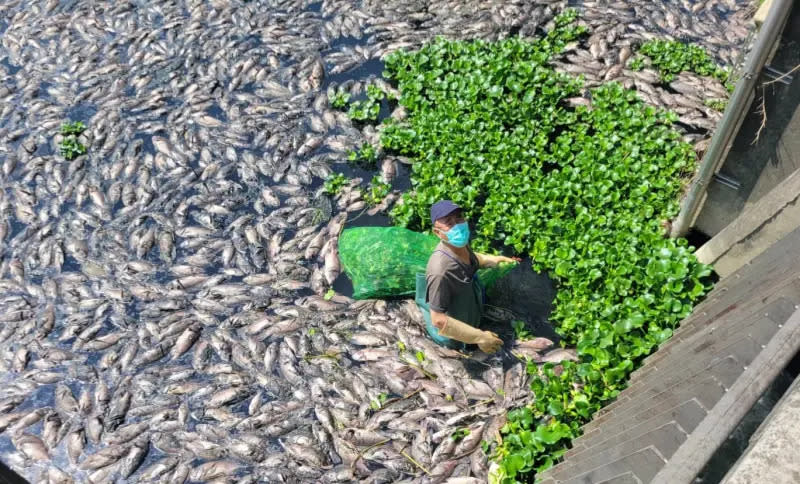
(734,113)
(727,181)
(778,76)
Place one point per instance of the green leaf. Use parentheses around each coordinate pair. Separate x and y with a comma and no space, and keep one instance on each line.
(623,326)
(550,434)
(459,434)
(513,463)
(555,408)
(663,335)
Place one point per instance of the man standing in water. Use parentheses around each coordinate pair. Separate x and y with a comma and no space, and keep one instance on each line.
(453,292)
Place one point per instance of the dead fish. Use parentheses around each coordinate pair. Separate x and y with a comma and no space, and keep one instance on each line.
(185,341)
(368,339)
(362,437)
(559,355)
(31,447)
(226,396)
(305,453)
(526,353)
(134,458)
(332,268)
(20,360)
(75,445)
(537,344)
(214,469)
(372,354)
(104,457)
(65,400)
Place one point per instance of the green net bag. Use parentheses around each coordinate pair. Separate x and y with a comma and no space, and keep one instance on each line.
(384,261)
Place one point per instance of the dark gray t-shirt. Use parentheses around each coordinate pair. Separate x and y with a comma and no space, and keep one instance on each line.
(449,286)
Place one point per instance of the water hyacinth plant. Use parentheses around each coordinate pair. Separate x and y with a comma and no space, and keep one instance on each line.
(376,191)
(334,183)
(581,190)
(671,57)
(69,147)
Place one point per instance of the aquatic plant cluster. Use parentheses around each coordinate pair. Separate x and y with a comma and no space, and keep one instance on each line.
(583,190)
(69,146)
(672,57)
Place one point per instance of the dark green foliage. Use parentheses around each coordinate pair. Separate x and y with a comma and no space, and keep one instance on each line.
(718,104)
(376,191)
(339,100)
(375,93)
(76,128)
(334,183)
(459,433)
(582,191)
(69,147)
(520,331)
(366,155)
(366,110)
(671,57)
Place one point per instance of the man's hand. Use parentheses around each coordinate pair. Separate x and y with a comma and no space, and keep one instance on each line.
(510,260)
(486,260)
(488,342)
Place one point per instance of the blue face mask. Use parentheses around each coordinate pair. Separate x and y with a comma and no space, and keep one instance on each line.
(458,235)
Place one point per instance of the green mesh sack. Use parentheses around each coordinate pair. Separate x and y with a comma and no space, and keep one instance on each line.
(384,261)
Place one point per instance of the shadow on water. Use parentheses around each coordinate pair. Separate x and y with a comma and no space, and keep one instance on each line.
(7,476)
(315,7)
(217,112)
(81,112)
(10,68)
(44,149)
(147,142)
(529,296)
(70,264)
(697,238)
(15,227)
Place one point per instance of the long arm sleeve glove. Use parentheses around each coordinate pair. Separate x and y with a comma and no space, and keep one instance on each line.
(487,341)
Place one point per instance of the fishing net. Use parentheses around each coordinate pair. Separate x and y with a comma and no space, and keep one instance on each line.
(384,261)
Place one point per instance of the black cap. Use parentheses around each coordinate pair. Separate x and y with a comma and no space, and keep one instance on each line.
(442,208)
